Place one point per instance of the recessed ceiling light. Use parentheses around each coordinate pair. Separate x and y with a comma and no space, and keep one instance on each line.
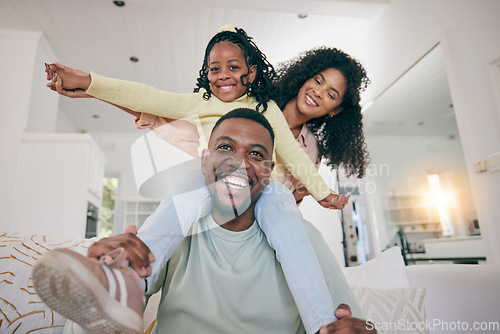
(134,59)
(302,16)
(119,3)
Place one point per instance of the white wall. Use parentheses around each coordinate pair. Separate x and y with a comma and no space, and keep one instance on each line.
(326,221)
(26,104)
(116,148)
(64,125)
(43,103)
(468,31)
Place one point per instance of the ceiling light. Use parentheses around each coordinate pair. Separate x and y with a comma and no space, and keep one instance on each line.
(134,59)
(119,3)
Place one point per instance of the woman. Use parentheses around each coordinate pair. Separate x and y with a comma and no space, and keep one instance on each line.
(319,93)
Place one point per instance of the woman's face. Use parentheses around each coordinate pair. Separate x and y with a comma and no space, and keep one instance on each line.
(322,94)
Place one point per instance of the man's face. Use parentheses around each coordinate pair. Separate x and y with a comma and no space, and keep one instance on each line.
(237,165)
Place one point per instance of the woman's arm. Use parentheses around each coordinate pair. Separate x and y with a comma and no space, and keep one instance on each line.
(289,152)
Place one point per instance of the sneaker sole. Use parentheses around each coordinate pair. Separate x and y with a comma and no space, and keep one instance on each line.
(71,290)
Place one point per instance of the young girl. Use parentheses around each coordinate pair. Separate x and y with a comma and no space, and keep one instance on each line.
(237,74)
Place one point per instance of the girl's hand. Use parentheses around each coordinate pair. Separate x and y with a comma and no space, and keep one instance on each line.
(67,81)
(300,193)
(335,201)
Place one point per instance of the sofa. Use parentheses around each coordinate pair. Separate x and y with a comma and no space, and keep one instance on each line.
(459,298)
(427,298)
(432,298)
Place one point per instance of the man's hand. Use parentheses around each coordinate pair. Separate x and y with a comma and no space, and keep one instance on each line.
(347,324)
(139,254)
(335,201)
(67,81)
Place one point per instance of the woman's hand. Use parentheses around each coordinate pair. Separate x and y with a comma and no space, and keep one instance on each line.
(67,81)
(335,201)
(300,193)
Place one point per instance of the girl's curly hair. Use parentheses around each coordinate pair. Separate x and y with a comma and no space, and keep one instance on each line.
(262,87)
(340,138)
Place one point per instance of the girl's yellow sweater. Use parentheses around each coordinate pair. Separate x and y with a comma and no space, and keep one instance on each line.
(146,99)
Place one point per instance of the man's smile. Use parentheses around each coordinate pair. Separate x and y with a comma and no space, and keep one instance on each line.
(235,179)
(235,182)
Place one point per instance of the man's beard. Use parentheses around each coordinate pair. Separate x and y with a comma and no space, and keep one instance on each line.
(233,210)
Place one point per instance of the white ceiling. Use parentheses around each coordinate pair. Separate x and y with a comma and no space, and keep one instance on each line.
(418,103)
(169,37)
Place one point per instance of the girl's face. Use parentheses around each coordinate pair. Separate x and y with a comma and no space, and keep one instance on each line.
(322,94)
(226,65)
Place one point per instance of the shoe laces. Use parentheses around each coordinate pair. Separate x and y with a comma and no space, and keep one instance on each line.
(116,259)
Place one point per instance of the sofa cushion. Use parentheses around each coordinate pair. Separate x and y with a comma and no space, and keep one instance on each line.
(386,271)
(393,310)
(21,311)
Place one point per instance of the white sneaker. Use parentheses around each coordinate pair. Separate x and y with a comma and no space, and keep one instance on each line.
(102,296)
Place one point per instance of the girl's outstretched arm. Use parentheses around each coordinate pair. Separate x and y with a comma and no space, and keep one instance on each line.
(73,83)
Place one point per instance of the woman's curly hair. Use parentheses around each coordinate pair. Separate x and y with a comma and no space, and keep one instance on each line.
(340,138)
(262,87)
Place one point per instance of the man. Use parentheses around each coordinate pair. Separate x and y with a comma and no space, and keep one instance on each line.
(225,277)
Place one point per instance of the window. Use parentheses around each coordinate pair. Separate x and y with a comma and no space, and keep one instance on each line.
(110,187)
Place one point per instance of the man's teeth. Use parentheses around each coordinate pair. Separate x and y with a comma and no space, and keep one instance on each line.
(235,181)
(311,101)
